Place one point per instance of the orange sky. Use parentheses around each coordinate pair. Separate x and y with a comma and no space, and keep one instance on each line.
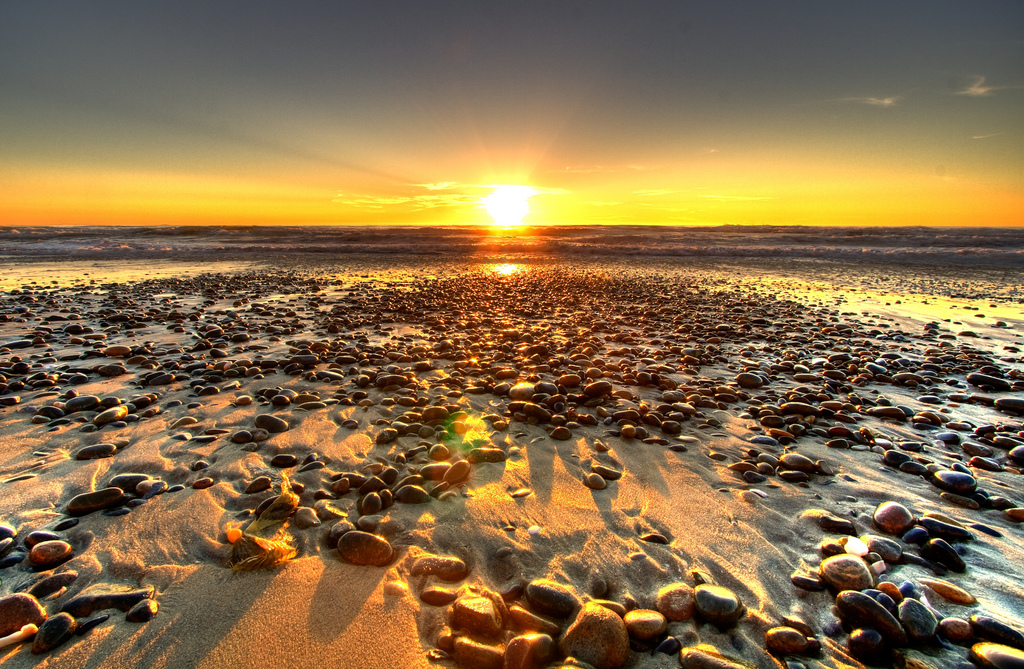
(395,114)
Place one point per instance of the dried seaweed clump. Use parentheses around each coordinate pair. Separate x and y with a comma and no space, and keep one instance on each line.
(250,550)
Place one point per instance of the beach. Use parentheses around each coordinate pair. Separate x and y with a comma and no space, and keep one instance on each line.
(485,450)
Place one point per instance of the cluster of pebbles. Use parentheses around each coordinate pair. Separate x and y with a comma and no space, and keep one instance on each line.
(615,360)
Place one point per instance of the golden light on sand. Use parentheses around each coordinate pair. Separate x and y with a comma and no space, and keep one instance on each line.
(507,205)
(506,269)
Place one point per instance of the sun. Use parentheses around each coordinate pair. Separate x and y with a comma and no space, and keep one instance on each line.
(507,205)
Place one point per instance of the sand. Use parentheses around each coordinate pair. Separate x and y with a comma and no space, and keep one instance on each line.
(319,610)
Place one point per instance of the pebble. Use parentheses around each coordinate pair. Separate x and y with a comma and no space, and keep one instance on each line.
(477,615)
(88,502)
(83,606)
(49,554)
(19,610)
(893,518)
(550,598)
(918,621)
(55,631)
(645,624)
(860,610)
(596,636)
(996,656)
(846,572)
(271,423)
(717,605)
(675,602)
(446,568)
(785,641)
(143,611)
(363,548)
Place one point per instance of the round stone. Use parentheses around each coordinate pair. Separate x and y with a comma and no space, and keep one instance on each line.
(53,632)
(717,605)
(785,641)
(271,423)
(893,518)
(444,567)
(143,611)
(521,392)
(918,620)
(846,572)
(551,598)
(797,462)
(645,624)
(48,554)
(19,610)
(866,645)
(363,548)
(598,637)
(675,601)
(955,482)
(94,501)
(956,630)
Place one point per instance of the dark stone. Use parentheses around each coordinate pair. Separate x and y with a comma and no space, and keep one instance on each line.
(996,656)
(551,598)
(363,548)
(142,612)
(939,551)
(717,605)
(52,633)
(88,502)
(86,605)
(860,610)
(19,610)
(990,629)
(918,620)
(271,423)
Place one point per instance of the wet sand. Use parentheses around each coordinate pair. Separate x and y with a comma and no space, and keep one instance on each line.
(510,460)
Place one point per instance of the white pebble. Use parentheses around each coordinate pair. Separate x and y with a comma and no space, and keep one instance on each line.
(879,567)
(534,530)
(855,546)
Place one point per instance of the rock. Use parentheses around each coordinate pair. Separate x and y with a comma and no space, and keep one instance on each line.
(893,518)
(949,591)
(596,636)
(996,656)
(645,624)
(128,482)
(142,612)
(748,380)
(52,584)
(1010,404)
(990,629)
(477,615)
(595,481)
(53,632)
(695,658)
(475,655)
(717,605)
(444,567)
(48,554)
(797,462)
(19,610)
(96,451)
(846,572)
(412,494)
(363,548)
(887,549)
(88,502)
(940,552)
(386,436)
(955,482)
(271,423)
(111,415)
(860,610)
(458,472)
(918,620)
(550,598)
(521,392)
(284,460)
(528,621)
(259,484)
(675,601)
(305,518)
(597,388)
(85,605)
(561,433)
(785,641)
(438,596)
(994,382)
(867,645)
(529,651)
(956,630)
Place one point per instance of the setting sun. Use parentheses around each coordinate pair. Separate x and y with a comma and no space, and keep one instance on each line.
(508,204)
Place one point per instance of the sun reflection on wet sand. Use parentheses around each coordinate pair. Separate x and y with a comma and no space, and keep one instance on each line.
(506,269)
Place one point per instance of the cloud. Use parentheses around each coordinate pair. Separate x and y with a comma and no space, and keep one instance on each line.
(995,134)
(440,194)
(978,89)
(874,102)
(599,203)
(593,169)
(441,185)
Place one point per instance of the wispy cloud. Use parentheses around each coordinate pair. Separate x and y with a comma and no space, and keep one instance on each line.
(995,134)
(600,203)
(592,169)
(874,102)
(411,197)
(979,89)
(441,185)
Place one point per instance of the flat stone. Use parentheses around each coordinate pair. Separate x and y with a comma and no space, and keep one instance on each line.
(846,572)
(85,605)
(645,624)
(717,605)
(551,598)
(785,641)
(860,610)
(955,482)
(52,584)
(271,423)
(996,656)
(694,658)
(529,651)
(990,629)
(96,451)
(363,548)
(596,636)
(949,591)
(53,632)
(88,502)
(142,612)
(918,620)
(47,554)
(475,655)
(478,615)
(444,567)
(19,610)
(675,602)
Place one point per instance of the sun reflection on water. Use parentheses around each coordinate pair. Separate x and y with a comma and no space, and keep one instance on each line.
(506,269)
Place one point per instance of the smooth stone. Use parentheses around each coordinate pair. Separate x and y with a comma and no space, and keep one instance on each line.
(96,451)
(955,482)
(527,621)
(785,641)
(860,610)
(18,610)
(717,605)
(52,584)
(47,554)
(444,567)
(412,494)
(551,598)
(887,549)
(94,501)
(956,630)
(128,482)
(438,596)
(596,636)
(990,629)
(846,572)
(87,604)
(271,423)
(53,632)
(918,620)
(949,591)
(259,484)
(529,651)
(867,645)
(111,415)
(996,656)
(305,518)
(675,601)
(695,658)
(939,551)
(363,548)
(645,624)
(142,612)
(478,615)
(475,655)
(893,518)
(284,460)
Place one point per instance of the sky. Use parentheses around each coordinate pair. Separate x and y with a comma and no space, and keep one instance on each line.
(675,112)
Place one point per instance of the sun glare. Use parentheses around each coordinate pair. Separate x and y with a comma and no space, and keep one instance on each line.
(507,205)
